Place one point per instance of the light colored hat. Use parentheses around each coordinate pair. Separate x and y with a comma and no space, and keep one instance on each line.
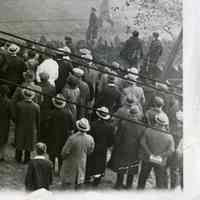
(87,56)
(162,119)
(115,64)
(59,101)
(132,76)
(179,116)
(83,125)
(78,72)
(28,94)
(162,86)
(103,113)
(13,49)
(85,51)
(67,50)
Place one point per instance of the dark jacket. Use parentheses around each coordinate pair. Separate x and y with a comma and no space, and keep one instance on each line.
(110,97)
(39,174)
(59,126)
(27,120)
(5,116)
(64,69)
(126,148)
(102,132)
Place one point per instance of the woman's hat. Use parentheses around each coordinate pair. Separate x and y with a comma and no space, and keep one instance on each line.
(83,125)
(162,119)
(13,49)
(28,94)
(59,101)
(78,72)
(103,113)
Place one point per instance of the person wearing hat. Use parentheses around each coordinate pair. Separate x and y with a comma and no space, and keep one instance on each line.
(71,92)
(27,125)
(60,125)
(157,108)
(74,154)
(46,105)
(175,161)
(103,133)
(157,147)
(124,159)
(39,172)
(92,31)
(84,92)
(29,78)
(154,53)
(5,117)
(65,68)
(69,44)
(14,67)
(110,96)
(132,51)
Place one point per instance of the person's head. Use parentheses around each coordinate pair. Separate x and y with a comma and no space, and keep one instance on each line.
(179,118)
(158,102)
(68,40)
(4,90)
(79,73)
(72,81)
(135,34)
(161,120)
(28,94)
(31,54)
(155,35)
(44,77)
(59,101)
(93,10)
(13,49)
(134,111)
(41,148)
(83,125)
(29,76)
(103,113)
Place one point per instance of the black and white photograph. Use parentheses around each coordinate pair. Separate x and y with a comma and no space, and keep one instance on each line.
(91,99)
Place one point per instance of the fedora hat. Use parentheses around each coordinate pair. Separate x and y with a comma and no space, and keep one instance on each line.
(28,94)
(78,72)
(83,125)
(162,119)
(59,101)
(103,113)
(13,49)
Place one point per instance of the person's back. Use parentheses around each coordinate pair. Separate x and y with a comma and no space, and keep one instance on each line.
(39,174)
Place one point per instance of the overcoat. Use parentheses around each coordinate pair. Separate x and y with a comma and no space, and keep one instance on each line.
(126,147)
(59,126)
(102,132)
(5,116)
(27,119)
(74,154)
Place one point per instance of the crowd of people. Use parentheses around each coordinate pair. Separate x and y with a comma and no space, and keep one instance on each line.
(72,116)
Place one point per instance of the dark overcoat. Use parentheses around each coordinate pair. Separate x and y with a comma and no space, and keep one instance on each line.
(27,120)
(5,116)
(103,133)
(39,174)
(59,126)
(126,147)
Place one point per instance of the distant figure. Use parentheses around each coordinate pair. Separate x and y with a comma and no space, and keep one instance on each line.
(132,51)
(39,173)
(92,32)
(155,51)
